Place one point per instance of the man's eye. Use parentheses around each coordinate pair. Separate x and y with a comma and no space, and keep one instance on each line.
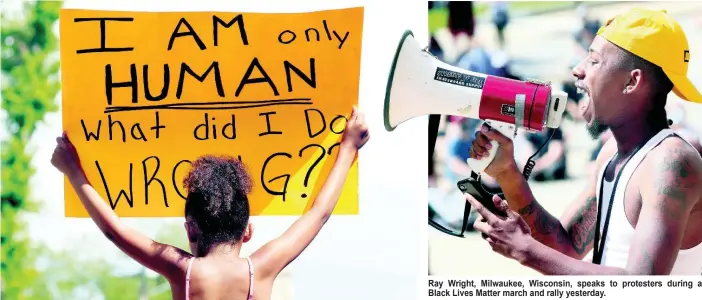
(592,62)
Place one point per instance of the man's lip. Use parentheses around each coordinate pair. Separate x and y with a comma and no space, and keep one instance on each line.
(582,87)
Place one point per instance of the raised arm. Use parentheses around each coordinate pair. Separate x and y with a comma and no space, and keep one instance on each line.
(573,234)
(667,197)
(163,259)
(278,253)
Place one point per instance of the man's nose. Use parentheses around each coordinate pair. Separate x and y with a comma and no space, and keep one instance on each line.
(578,71)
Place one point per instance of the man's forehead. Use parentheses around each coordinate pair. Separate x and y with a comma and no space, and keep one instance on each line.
(601,46)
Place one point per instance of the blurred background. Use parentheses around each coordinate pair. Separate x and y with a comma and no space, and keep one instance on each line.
(528,40)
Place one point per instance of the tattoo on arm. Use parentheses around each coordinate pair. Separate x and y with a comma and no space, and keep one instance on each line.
(579,234)
(544,225)
(675,164)
(647,265)
(582,229)
(674,181)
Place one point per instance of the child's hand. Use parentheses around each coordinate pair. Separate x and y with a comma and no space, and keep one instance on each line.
(356,133)
(65,157)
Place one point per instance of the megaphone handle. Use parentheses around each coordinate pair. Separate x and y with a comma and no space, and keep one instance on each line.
(479,165)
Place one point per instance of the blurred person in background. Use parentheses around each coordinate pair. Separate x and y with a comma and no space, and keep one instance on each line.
(434,47)
(550,162)
(460,135)
(500,17)
(455,40)
(446,205)
(679,123)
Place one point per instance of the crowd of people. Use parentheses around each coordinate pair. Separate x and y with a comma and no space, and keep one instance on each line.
(458,45)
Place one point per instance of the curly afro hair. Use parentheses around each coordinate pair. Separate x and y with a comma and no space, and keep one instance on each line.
(217,201)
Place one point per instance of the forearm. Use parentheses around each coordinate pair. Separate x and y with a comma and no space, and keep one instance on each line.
(333,186)
(101,213)
(281,251)
(548,261)
(545,228)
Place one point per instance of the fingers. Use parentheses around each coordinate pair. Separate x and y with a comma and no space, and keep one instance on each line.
(480,146)
(67,140)
(515,216)
(61,143)
(361,120)
(493,134)
(472,153)
(520,221)
(483,140)
(483,228)
(499,203)
(365,136)
(480,208)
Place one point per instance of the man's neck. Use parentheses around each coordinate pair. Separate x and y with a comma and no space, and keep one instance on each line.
(634,134)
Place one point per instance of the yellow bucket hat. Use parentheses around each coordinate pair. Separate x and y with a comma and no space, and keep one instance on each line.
(656,37)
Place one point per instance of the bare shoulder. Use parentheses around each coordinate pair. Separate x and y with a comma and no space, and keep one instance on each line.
(674,156)
(179,258)
(262,258)
(674,171)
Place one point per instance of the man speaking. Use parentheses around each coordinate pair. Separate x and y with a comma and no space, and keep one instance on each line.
(641,213)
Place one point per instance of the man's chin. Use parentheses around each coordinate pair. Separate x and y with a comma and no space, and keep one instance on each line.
(596,129)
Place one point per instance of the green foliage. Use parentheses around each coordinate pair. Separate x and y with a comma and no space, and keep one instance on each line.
(438,17)
(29,86)
(30,72)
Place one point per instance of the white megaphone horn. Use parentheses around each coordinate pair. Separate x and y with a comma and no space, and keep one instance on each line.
(419,84)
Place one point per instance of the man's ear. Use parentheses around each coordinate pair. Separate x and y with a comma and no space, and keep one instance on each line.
(248,232)
(635,81)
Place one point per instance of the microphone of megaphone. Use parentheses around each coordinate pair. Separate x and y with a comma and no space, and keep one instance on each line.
(419,84)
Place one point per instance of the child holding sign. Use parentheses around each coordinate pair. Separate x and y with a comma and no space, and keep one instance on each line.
(217,215)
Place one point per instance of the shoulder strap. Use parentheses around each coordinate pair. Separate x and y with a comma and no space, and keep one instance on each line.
(187,279)
(601,172)
(251,278)
(637,156)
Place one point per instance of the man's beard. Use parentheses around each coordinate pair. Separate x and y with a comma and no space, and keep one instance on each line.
(596,129)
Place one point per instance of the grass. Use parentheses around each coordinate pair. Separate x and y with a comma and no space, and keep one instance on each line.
(438,17)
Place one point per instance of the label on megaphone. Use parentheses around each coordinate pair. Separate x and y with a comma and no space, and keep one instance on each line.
(460,79)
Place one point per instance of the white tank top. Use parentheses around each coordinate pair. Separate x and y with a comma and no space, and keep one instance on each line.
(620,232)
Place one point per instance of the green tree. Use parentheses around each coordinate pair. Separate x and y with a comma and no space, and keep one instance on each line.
(29,86)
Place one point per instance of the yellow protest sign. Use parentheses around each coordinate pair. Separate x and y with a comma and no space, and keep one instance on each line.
(146,93)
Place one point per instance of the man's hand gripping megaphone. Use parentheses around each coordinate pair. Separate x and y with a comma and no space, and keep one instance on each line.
(492,152)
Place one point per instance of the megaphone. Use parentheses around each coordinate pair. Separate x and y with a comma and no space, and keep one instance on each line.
(419,84)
